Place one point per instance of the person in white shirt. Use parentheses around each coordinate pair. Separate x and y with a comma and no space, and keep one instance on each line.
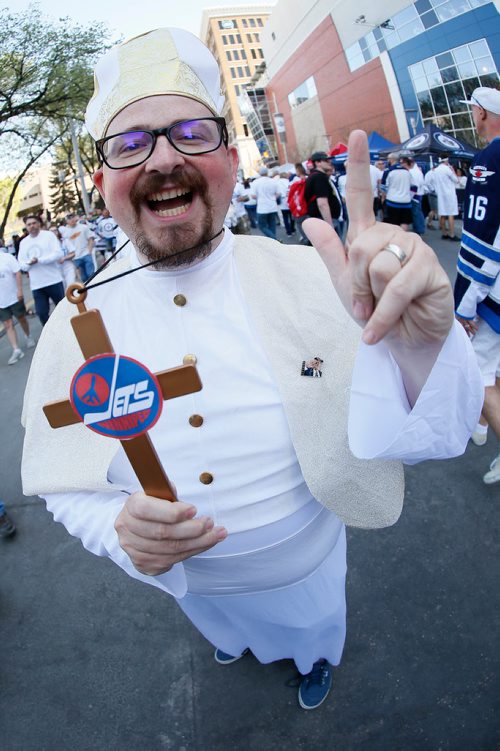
(341,187)
(250,203)
(342,182)
(79,240)
(375,177)
(40,254)
(446,182)
(12,305)
(105,228)
(395,188)
(68,268)
(254,550)
(266,192)
(430,191)
(417,188)
(240,196)
(282,178)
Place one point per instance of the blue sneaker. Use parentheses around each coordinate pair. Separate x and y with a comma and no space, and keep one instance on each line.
(315,686)
(224,659)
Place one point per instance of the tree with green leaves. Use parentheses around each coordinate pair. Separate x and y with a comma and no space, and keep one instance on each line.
(6,191)
(64,197)
(64,182)
(45,81)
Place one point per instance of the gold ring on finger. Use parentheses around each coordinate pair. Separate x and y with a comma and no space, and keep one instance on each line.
(397,252)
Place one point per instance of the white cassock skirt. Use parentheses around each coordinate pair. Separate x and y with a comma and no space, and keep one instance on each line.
(277,590)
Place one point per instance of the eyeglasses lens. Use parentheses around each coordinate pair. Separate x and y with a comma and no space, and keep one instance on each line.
(127,149)
(195,136)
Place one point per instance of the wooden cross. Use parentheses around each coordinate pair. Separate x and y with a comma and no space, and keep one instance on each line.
(93,339)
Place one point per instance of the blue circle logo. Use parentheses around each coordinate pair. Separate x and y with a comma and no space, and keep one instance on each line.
(448,142)
(116,396)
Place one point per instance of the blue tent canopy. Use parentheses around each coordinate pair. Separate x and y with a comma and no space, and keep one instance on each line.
(376,143)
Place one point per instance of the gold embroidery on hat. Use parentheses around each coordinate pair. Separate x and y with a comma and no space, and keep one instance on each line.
(149,65)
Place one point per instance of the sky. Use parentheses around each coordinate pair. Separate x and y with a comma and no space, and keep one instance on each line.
(125,18)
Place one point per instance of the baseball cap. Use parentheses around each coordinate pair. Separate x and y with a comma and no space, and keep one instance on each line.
(162,61)
(488,99)
(320,156)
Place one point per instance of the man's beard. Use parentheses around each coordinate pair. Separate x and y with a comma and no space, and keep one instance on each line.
(181,245)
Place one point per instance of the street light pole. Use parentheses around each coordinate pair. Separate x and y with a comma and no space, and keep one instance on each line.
(79,165)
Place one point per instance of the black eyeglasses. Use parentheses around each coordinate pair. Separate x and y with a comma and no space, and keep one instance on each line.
(189,137)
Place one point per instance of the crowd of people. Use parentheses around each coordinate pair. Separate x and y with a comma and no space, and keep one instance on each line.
(53,255)
(405,193)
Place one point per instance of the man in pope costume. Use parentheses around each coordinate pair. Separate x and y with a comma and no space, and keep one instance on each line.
(269,465)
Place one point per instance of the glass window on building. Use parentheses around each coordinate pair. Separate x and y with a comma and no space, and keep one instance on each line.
(450,9)
(236,55)
(302,93)
(379,39)
(407,15)
(443,81)
(238,38)
(240,72)
(369,46)
(243,54)
(254,54)
(236,89)
(255,111)
(404,25)
(259,22)
(261,54)
(252,23)
(247,71)
(354,55)
(429,19)
(390,36)
(224,39)
(407,23)
(432,72)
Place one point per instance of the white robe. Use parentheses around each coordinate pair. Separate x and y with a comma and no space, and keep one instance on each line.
(445,185)
(263,599)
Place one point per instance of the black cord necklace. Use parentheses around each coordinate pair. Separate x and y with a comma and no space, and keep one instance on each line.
(87,284)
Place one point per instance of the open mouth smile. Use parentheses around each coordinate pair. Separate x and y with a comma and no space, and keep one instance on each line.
(172,202)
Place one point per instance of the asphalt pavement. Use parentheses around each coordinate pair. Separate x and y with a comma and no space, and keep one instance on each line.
(94,661)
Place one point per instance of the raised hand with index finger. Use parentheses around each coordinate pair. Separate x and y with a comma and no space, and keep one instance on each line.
(388,280)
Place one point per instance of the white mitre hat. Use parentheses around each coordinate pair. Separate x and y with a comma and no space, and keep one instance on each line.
(163,61)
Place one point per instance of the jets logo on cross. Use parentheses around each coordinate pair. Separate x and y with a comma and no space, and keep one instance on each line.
(121,411)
